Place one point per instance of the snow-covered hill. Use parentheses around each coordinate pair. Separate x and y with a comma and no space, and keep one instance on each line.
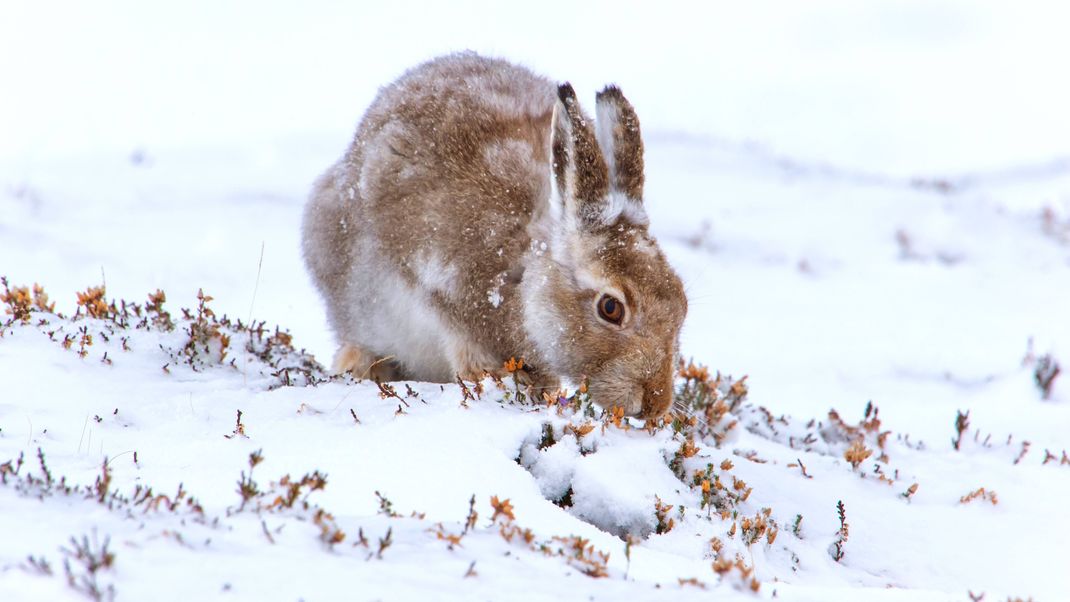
(155,442)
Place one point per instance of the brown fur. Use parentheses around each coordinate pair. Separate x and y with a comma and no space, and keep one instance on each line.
(434,244)
(362,365)
(591,182)
(627,144)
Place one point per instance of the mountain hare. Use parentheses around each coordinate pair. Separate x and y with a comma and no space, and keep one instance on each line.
(478,217)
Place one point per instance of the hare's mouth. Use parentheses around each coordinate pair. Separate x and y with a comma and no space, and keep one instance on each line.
(618,393)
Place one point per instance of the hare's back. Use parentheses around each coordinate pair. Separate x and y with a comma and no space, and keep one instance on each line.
(455,128)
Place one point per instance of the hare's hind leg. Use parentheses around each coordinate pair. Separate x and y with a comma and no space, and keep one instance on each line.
(365,365)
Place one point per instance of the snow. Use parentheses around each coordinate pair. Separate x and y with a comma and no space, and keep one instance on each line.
(866,203)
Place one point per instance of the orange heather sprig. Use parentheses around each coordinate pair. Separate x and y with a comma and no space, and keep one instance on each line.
(501,508)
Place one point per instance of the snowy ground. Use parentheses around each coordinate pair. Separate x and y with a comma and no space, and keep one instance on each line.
(866,206)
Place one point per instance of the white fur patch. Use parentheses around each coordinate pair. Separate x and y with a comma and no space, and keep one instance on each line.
(618,205)
(434,274)
(396,320)
(564,246)
(467,360)
(542,321)
(494,295)
(605,118)
(592,281)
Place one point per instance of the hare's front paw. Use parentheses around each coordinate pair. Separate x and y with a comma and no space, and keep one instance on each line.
(469,361)
(537,382)
(365,365)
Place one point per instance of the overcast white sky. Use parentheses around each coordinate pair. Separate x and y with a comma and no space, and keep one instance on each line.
(910,87)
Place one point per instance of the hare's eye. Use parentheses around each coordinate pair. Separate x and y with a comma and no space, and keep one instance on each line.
(610,309)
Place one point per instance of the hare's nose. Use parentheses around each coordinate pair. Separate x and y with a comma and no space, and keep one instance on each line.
(657,394)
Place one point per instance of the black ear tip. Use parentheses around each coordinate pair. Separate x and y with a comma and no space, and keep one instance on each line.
(566,93)
(610,92)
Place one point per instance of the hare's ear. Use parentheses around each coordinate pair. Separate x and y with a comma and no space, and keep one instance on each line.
(581,179)
(622,144)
